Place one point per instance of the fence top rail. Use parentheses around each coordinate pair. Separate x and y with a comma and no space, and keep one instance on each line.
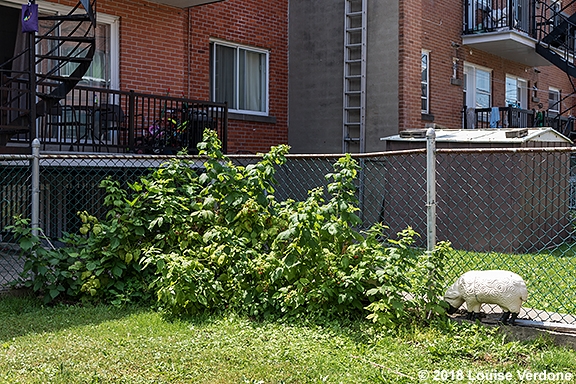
(507,150)
(4,157)
(133,156)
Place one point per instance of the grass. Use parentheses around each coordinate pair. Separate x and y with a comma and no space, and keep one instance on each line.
(101,344)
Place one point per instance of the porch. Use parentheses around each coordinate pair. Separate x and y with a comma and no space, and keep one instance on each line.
(110,121)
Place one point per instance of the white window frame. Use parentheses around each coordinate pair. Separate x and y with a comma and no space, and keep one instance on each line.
(112,21)
(266,79)
(471,88)
(554,107)
(425,81)
(520,90)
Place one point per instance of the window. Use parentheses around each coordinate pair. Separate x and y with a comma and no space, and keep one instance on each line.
(99,73)
(553,100)
(239,76)
(516,92)
(477,86)
(425,82)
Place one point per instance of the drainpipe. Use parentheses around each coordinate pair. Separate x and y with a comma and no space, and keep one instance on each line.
(188,54)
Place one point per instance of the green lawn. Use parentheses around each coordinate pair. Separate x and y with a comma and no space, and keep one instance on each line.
(72,344)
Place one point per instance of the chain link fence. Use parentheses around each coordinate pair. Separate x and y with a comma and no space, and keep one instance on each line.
(508,209)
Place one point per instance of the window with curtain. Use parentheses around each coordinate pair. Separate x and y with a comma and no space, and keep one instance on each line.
(239,76)
(425,96)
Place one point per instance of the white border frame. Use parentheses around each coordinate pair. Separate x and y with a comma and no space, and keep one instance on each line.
(427,53)
(254,49)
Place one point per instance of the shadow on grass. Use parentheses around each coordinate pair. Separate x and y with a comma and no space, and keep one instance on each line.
(20,316)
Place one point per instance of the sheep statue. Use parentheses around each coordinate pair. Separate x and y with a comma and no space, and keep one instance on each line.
(504,288)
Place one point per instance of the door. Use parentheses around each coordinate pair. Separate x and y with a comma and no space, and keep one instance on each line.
(517,99)
(521,15)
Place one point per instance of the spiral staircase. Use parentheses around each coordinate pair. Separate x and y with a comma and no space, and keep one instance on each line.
(61,53)
(555,24)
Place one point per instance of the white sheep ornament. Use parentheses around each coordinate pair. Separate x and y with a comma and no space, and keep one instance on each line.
(504,288)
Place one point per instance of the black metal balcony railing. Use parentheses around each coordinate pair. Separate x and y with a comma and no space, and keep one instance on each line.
(511,117)
(102,120)
(497,15)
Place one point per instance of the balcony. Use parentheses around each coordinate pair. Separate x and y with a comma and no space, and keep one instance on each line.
(106,121)
(505,28)
(512,117)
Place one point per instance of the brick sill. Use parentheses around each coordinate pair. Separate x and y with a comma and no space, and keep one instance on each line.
(427,117)
(247,117)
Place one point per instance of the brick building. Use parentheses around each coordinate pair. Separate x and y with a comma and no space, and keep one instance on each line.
(361,70)
(186,48)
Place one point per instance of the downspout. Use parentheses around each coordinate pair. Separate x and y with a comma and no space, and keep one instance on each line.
(189,57)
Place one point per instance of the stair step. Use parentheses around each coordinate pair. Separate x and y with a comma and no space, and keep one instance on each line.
(56,78)
(556,59)
(73,59)
(12,129)
(77,39)
(74,17)
(560,29)
(43,95)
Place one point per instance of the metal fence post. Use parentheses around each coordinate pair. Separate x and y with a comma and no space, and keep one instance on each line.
(35,187)
(431,188)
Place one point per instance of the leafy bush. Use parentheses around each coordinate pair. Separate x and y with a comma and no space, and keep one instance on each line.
(215,238)
(46,271)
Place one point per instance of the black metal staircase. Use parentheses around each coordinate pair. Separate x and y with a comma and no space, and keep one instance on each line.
(61,53)
(556,33)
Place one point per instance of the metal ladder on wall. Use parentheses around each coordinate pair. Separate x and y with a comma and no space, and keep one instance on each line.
(354,110)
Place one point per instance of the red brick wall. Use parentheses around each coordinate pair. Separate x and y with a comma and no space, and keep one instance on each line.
(165,48)
(410,49)
(256,23)
(442,25)
(152,40)
(152,43)
(433,25)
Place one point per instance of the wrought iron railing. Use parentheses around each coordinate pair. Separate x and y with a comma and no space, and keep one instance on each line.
(498,15)
(511,117)
(101,120)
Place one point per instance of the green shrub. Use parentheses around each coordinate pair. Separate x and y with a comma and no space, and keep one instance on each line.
(46,271)
(216,238)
